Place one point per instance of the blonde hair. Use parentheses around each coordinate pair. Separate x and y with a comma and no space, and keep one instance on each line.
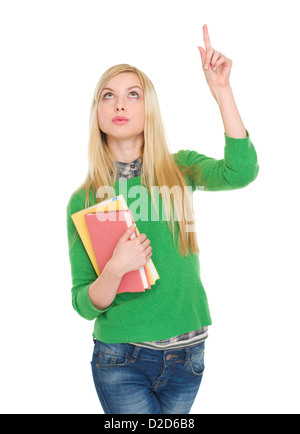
(158,169)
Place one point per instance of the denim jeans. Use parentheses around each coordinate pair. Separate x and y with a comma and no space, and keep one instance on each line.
(130,379)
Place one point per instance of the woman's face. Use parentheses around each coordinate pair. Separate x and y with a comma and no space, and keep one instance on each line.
(123,98)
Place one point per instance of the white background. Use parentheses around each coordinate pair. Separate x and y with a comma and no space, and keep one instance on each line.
(53,53)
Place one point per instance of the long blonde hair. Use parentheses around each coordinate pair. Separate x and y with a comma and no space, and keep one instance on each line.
(158,169)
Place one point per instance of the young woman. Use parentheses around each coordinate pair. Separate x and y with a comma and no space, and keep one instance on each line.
(149,346)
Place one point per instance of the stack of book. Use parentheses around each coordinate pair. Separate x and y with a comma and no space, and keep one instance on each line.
(100,227)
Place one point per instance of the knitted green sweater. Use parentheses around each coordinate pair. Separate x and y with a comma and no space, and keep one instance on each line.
(177,303)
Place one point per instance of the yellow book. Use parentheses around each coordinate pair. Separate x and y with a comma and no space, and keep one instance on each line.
(114,204)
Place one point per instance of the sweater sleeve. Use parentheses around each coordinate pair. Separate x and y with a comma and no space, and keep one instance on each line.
(82,270)
(237,169)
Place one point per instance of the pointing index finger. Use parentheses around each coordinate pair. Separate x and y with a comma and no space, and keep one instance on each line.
(206,37)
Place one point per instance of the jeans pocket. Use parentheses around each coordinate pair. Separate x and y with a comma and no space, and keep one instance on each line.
(196,365)
(107,357)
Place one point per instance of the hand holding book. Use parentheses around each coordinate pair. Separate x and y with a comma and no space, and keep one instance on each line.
(130,255)
(105,229)
(101,227)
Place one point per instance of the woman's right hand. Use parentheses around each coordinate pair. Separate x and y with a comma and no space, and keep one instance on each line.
(130,254)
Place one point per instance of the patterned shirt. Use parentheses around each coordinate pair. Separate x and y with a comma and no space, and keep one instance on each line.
(131,170)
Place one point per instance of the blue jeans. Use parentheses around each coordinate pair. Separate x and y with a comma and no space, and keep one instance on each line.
(130,379)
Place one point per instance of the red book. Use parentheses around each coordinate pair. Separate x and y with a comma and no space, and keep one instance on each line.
(105,230)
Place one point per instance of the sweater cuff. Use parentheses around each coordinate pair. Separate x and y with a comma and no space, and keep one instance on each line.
(238,147)
(86,307)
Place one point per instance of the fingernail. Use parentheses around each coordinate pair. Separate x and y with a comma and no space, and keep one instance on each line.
(206,66)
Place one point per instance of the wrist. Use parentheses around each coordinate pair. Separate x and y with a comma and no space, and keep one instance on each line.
(220,93)
(113,269)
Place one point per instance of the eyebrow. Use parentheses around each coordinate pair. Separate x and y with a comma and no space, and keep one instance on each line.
(132,87)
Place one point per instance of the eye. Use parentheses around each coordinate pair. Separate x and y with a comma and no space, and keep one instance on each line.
(135,93)
(109,93)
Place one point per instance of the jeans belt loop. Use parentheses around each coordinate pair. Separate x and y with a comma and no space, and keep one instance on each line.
(187,356)
(135,354)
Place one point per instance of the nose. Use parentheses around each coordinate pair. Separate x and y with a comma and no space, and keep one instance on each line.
(120,105)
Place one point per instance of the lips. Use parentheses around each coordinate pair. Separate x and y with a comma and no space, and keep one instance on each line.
(120,118)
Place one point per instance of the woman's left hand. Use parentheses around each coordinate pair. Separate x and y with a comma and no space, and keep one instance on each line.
(216,66)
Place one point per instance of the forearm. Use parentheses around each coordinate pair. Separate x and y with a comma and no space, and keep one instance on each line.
(232,121)
(103,291)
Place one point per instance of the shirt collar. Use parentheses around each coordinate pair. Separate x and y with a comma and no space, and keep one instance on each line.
(132,169)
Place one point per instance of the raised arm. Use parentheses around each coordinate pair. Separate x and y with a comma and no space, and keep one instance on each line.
(217,68)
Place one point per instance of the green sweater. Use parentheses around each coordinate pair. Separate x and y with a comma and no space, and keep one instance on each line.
(177,303)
